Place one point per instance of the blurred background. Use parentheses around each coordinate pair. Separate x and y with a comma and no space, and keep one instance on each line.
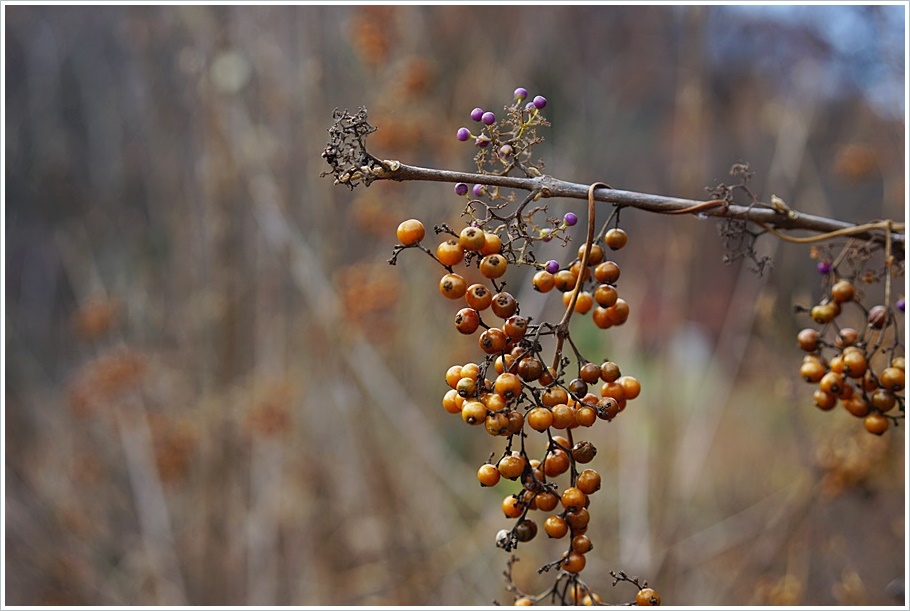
(218,391)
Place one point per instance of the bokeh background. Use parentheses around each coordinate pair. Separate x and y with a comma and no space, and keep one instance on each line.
(218,392)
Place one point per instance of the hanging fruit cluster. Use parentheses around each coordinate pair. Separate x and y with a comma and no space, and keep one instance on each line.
(855,356)
(517,389)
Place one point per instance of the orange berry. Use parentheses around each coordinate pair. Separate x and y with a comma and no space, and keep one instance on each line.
(450,252)
(410,232)
(647,597)
(511,507)
(546,501)
(493,266)
(876,423)
(488,475)
(842,291)
(573,498)
(605,295)
(631,387)
(453,286)
(607,272)
(616,238)
(511,466)
(574,562)
(474,412)
(540,419)
(588,481)
(471,238)
(543,281)
(478,297)
(492,244)
(891,378)
(508,385)
(556,527)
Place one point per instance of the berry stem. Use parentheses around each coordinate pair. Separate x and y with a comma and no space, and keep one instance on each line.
(562,329)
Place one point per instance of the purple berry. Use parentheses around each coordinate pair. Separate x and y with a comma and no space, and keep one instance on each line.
(530,106)
(482,141)
(461,188)
(520,93)
(570,218)
(901,305)
(463,133)
(477,114)
(540,101)
(546,235)
(824,267)
(477,190)
(488,118)
(505,150)
(552,266)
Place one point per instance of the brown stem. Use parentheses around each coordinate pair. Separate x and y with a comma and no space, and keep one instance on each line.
(553,187)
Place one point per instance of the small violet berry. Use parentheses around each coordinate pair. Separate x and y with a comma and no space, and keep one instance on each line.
(570,218)
(901,305)
(552,266)
(461,189)
(824,267)
(540,101)
(482,141)
(488,118)
(520,93)
(477,190)
(477,114)
(530,106)
(463,134)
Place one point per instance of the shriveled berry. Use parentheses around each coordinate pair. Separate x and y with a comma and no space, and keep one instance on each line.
(584,452)
(496,423)
(411,232)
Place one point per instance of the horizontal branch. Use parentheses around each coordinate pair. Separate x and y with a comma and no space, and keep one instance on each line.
(764,215)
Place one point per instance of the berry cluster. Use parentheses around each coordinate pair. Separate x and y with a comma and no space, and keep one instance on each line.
(513,391)
(857,361)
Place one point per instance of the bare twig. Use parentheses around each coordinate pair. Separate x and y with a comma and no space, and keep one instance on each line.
(553,187)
